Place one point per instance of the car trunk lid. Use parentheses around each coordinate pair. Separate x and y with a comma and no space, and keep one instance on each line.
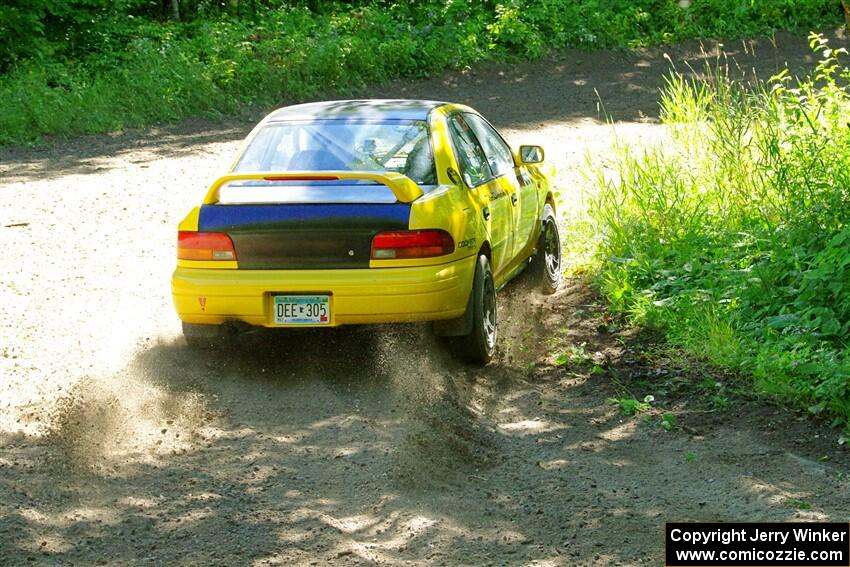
(303,235)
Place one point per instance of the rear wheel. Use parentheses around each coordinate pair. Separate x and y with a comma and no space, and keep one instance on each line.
(546,264)
(479,345)
(203,337)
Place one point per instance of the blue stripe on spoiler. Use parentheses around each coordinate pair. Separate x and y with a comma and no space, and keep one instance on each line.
(222,218)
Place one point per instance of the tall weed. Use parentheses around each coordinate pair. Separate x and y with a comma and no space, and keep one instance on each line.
(735,236)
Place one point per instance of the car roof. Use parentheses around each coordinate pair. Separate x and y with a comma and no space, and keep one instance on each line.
(393,109)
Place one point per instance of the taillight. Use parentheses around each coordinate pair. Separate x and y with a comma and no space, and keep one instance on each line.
(205,246)
(411,244)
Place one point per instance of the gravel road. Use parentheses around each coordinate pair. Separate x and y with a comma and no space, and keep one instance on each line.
(119,446)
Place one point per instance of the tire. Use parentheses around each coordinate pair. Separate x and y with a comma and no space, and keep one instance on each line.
(203,337)
(546,264)
(479,345)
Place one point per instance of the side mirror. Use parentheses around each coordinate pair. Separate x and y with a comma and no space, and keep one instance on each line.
(530,154)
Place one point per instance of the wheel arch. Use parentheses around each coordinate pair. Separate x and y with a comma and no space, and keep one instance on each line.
(486,250)
(550,200)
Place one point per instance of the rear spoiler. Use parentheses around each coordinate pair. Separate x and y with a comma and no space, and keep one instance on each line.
(404,188)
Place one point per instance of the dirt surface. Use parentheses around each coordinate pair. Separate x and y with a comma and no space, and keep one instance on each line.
(120,446)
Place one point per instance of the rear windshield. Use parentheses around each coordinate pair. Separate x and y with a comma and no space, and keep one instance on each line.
(401,146)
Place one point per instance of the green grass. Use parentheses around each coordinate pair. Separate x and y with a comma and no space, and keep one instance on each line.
(630,406)
(121,71)
(734,235)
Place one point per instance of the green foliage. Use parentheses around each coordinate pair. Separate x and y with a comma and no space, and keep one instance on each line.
(168,72)
(630,406)
(21,29)
(75,66)
(799,504)
(669,422)
(734,237)
(574,355)
(720,402)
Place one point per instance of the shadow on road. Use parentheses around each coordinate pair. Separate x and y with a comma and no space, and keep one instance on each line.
(368,447)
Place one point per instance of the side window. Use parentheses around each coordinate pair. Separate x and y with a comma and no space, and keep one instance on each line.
(498,153)
(473,161)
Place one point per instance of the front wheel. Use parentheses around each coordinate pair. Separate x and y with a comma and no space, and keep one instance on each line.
(546,264)
(479,345)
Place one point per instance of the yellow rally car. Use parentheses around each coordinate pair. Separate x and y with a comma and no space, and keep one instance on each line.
(368,211)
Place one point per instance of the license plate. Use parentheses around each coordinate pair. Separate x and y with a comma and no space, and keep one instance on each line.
(302,310)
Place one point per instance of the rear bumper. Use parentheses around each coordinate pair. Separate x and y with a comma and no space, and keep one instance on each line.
(358,296)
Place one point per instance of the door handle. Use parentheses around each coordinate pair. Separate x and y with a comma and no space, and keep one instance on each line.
(514,198)
(486,212)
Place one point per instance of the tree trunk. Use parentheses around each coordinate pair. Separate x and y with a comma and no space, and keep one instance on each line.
(175,10)
(846,6)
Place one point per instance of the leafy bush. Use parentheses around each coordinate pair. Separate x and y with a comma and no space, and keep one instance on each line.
(735,236)
(75,66)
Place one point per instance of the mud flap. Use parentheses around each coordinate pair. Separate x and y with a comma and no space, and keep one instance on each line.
(458,327)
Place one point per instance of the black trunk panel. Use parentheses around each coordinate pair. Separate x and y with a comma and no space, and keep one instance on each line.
(314,236)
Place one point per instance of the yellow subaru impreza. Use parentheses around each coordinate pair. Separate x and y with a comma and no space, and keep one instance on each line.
(368,211)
